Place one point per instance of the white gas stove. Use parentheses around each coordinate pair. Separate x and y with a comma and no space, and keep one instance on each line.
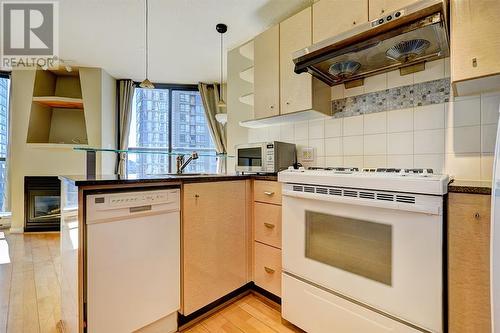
(363,249)
(423,181)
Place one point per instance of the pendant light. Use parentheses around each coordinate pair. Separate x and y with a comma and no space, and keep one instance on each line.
(221,28)
(146,84)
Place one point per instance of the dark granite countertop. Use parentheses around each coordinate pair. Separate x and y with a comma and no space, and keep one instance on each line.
(82,180)
(473,187)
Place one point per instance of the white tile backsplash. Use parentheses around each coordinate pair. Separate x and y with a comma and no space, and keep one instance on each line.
(400,161)
(333,127)
(353,125)
(429,117)
(400,120)
(463,113)
(400,143)
(375,123)
(466,139)
(375,83)
(488,138)
(394,79)
(456,137)
(353,145)
(375,144)
(428,141)
(301,131)
(316,129)
(333,147)
(434,70)
(490,105)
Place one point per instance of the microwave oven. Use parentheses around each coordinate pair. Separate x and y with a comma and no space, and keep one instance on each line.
(265,157)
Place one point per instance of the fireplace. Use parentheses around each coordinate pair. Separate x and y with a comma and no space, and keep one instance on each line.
(42,210)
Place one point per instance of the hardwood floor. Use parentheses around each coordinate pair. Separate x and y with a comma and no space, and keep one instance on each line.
(247,315)
(29,282)
(30,298)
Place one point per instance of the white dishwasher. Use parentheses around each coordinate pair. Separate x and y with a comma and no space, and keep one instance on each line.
(133,261)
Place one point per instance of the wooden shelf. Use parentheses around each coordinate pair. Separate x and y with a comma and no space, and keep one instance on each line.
(247,75)
(59,102)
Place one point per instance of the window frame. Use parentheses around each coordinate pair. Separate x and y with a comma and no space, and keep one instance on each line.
(170,87)
(6,75)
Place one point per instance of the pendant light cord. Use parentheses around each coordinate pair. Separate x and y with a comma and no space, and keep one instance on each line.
(221,65)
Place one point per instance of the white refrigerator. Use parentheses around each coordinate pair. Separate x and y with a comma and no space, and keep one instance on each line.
(495,240)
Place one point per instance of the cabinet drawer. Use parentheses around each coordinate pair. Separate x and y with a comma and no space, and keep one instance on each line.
(267,269)
(267,191)
(267,224)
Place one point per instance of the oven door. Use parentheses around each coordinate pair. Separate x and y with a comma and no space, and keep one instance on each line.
(383,254)
(250,158)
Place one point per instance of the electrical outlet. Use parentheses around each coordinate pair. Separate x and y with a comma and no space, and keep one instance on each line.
(307,154)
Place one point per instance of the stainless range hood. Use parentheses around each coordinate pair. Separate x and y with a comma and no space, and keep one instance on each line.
(401,39)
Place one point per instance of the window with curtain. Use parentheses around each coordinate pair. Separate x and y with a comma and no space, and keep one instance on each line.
(4,132)
(169,119)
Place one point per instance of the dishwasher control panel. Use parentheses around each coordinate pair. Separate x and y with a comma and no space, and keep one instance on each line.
(133,199)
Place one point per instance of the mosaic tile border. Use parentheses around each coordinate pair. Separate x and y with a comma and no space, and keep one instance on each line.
(419,94)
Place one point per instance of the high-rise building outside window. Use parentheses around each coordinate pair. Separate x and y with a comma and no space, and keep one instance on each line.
(4,131)
(169,120)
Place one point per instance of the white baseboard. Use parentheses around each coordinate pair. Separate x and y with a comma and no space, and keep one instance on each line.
(16,230)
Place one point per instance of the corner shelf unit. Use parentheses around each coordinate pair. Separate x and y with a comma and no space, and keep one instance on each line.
(57,114)
(247,75)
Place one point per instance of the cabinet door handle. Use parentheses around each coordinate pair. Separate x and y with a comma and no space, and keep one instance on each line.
(287,103)
(269,225)
(196,195)
(477,216)
(474,62)
(272,106)
(268,193)
(269,270)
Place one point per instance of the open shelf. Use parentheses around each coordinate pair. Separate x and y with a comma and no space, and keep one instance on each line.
(246,50)
(57,112)
(247,75)
(56,145)
(59,102)
(247,99)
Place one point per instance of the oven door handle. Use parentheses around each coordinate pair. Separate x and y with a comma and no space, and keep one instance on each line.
(428,208)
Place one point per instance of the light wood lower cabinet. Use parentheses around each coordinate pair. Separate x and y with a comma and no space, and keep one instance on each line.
(267,235)
(469,263)
(267,271)
(215,247)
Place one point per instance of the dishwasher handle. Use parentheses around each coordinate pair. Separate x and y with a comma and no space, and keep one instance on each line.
(140,208)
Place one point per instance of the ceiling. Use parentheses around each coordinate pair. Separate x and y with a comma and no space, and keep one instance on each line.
(184,45)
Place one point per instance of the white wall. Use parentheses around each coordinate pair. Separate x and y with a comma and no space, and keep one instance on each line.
(457,138)
(53,160)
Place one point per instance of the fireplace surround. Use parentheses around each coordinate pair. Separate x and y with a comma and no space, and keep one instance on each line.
(42,196)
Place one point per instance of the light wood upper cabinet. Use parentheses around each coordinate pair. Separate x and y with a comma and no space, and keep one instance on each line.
(295,34)
(332,17)
(469,263)
(381,7)
(267,73)
(475,46)
(215,241)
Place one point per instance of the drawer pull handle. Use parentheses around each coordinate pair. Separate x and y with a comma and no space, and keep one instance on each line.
(268,193)
(269,270)
(269,225)
(477,216)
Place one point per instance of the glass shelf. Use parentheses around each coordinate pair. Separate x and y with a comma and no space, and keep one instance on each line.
(152,151)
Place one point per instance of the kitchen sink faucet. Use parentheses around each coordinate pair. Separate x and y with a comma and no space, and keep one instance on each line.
(181,164)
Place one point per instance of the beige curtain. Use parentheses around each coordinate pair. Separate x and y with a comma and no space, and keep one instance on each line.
(210,96)
(126,90)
